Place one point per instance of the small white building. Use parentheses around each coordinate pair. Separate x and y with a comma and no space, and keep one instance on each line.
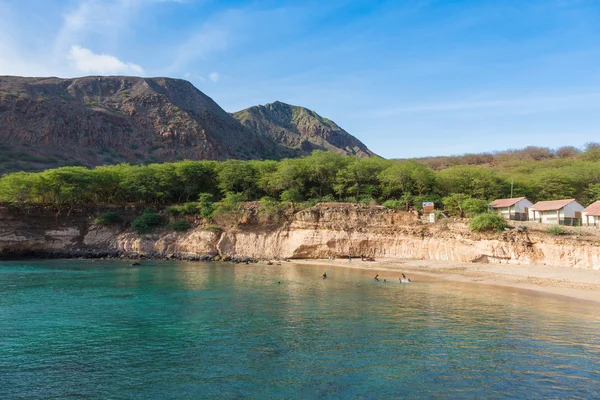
(515,209)
(590,216)
(557,212)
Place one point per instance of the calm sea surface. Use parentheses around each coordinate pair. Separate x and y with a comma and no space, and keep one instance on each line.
(166,330)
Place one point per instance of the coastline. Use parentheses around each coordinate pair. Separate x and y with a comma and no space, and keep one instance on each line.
(572,283)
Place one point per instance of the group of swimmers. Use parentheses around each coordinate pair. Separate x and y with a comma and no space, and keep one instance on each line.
(404,279)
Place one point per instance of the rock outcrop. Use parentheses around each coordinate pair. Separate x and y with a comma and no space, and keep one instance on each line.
(328,229)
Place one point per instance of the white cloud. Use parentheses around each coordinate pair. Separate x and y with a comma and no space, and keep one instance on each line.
(214,76)
(84,60)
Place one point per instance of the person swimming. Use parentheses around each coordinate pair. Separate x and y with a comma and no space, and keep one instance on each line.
(324,275)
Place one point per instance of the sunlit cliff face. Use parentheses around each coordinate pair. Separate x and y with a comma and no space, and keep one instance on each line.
(329,229)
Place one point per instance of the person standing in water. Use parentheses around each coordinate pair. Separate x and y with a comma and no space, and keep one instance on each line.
(376,277)
(324,275)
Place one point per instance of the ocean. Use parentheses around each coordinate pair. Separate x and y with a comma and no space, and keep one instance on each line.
(98,329)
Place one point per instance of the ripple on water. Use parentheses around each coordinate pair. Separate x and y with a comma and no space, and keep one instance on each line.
(203,330)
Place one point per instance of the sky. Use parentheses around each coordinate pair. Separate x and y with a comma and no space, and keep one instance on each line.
(409,78)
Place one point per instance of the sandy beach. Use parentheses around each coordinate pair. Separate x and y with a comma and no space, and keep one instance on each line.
(578,284)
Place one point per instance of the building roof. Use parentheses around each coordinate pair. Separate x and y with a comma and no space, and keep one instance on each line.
(501,203)
(592,209)
(550,205)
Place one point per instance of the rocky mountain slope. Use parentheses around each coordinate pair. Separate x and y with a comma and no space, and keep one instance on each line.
(49,122)
(300,128)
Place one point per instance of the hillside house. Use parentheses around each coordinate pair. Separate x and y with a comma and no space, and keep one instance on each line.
(557,212)
(515,209)
(590,216)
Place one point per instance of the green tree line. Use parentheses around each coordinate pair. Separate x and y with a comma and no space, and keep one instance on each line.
(322,176)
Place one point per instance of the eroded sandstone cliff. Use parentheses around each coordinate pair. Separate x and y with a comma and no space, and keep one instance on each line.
(329,229)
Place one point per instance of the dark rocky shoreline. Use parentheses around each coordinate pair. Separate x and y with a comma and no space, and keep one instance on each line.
(119,255)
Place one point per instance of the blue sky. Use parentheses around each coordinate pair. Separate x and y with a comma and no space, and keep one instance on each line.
(409,78)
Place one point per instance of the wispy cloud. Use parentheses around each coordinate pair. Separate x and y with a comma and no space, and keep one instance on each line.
(214,76)
(85,61)
(213,36)
(514,105)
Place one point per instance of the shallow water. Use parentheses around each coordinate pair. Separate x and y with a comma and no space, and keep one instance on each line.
(105,329)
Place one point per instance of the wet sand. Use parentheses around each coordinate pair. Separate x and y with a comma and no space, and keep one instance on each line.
(579,284)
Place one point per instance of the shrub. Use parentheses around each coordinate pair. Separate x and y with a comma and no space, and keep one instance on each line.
(557,231)
(206,205)
(231,204)
(146,222)
(184,209)
(487,222)
(108,218)
(269,207)
(367,200)
(212,228)
(181,225)
(472,207)
(394,204)
(174,210)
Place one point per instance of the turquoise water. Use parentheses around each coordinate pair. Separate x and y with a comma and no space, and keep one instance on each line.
(165,330)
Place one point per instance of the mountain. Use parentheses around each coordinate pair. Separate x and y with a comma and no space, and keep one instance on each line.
(300,128)
(50,122)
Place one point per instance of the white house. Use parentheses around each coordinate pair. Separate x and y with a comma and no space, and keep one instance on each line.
(590,216)
(515,209)
(563,212)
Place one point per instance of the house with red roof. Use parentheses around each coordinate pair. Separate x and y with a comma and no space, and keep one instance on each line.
(590,216)
(515,209)
(557,212)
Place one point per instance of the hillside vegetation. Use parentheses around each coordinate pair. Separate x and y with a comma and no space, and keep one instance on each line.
(322,176)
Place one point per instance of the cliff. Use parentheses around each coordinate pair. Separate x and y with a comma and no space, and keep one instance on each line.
(339,230)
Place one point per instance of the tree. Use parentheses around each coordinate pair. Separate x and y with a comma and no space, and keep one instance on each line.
(322,168)
(291,176)
(359,174)
(566,152)
(235,176)
(478,182)
(265,171)
(19,187)
(196,177)
(472,207)
(454,204)
(593,192)
(141,185)
(397,180)
(290,196)
(68,185)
